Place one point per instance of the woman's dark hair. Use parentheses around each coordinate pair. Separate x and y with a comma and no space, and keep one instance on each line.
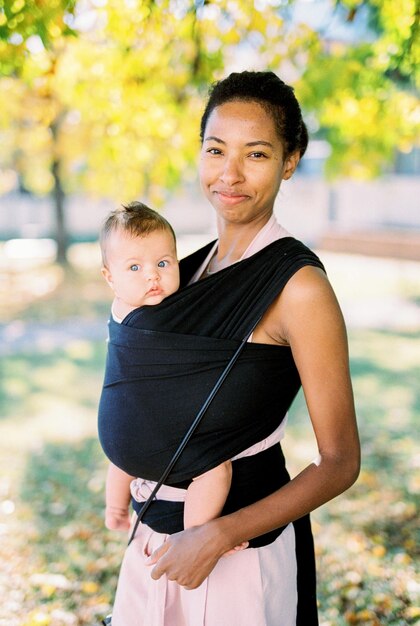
(273,94)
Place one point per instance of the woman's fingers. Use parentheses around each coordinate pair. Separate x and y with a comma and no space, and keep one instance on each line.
(157,554)
(187,557)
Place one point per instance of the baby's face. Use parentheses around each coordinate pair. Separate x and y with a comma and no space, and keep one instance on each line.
(141,270)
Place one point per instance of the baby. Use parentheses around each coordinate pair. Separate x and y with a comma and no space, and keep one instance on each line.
(140,265)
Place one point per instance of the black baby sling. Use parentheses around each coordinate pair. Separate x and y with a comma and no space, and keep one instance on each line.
(107,621)
(165,362)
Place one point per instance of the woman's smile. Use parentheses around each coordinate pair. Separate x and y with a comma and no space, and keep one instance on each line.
(241,165)
(230,198)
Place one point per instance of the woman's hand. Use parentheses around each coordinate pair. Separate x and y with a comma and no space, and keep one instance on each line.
(188,557)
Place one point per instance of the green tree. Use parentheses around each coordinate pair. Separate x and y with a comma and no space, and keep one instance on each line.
(365,95)
(117,107)
(106,96)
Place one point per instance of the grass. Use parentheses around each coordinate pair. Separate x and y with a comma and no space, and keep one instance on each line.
(59,564)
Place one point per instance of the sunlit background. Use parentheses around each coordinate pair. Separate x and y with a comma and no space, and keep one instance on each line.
(100,104)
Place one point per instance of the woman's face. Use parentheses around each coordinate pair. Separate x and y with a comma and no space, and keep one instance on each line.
(242,162)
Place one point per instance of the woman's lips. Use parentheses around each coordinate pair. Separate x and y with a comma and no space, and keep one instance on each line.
(230,198)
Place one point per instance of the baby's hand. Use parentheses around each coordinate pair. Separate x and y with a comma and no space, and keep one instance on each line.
(117,518)
(241,546)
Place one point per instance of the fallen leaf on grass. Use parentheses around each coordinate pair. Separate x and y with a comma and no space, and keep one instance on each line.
(89,586)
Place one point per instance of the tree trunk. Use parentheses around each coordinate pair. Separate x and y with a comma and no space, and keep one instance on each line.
(58,197)
(60,222)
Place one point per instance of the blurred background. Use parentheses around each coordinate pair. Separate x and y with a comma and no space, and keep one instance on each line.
(100,104)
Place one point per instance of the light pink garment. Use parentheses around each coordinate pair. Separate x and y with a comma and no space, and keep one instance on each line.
(141,489)
(270,232)
(254,587)
(275,437)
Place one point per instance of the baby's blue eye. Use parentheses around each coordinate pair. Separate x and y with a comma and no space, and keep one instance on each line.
(134,268)
(163,263)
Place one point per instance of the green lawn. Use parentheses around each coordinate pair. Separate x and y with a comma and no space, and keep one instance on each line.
(59,563)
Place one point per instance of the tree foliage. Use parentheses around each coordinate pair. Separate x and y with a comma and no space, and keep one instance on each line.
(105,95)
(20,20)
(119,104)
(365,95)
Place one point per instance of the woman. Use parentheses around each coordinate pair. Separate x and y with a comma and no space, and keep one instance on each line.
(253,137)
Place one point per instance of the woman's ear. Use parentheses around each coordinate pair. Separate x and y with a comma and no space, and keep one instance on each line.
(290,165)
(107,275)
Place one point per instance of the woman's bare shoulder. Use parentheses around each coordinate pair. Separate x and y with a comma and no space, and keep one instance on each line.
(307,296)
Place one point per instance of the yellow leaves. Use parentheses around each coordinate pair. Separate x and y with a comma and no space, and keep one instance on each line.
(398,16)
(379,551)
(402,558)
(399,46)
(89,587)
(365,617)
(123,30)
(54,30)
(232,37)
(412,612)
(356,116)
(365,122)
(37,617)
(17,6)
(382,601)
(126,91)
(39,179)
(357,543)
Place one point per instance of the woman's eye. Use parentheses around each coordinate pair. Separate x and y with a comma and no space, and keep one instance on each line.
(134,268)
(163,263)
(257,155)
(214,151)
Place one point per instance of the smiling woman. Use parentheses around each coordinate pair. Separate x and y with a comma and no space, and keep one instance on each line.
(253,136)
(242,163)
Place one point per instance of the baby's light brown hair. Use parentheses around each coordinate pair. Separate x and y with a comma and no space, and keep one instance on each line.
(134,218)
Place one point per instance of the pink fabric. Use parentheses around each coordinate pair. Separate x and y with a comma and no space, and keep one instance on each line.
(266,443)
(255,587)
(141,490)
(270,232)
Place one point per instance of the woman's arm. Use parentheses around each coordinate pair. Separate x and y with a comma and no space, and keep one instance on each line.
(307,317)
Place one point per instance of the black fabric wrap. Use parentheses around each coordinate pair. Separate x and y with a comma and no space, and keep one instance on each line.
(253,478)
(163,361)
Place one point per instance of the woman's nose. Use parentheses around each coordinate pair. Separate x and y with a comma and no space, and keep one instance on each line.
(232,172)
